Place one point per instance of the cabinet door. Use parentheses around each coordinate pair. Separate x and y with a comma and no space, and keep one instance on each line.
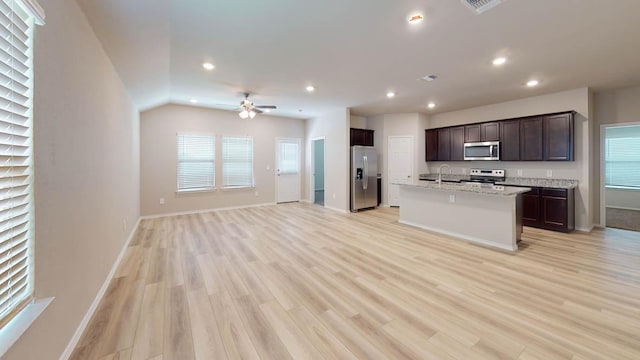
(444,144)
(472,133)
(367,137)
(489,131)
(510,140)
(558,137)
(531,208)
(531,139)
(554,210)
(431,145)
(457,143)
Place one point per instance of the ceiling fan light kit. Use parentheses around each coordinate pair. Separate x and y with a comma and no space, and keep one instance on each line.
(249,110)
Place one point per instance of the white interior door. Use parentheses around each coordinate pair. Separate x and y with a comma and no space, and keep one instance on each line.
(399,165)
(287,170)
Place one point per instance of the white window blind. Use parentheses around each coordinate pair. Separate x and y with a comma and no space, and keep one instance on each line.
(289,162)
(622,156)
(196,162)
(16,153)
(237,161)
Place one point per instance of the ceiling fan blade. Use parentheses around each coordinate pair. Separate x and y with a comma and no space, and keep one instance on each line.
(257,110)
(266,106)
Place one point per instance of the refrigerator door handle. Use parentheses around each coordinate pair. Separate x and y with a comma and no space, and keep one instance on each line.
(365,176)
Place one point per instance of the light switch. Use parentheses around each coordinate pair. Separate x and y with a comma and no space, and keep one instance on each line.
(452,198)
(519,172)
(549,173)
(161,201)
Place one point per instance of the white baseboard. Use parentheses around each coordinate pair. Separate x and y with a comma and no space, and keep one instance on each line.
(306,201)
(96,301)
(621,208)
(191,212)
(587,229)
(336,209)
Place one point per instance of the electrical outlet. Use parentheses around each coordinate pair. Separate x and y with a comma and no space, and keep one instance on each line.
(161,201)
(452,198)
(333,196)
(519,172)
(549,173)
(268,167)
(256,194)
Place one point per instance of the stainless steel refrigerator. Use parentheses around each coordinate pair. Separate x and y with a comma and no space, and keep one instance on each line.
(364,177)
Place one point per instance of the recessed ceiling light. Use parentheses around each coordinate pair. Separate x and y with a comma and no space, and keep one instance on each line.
(532,83)
(429,78)
(193,101)
(208,66)
(499,61)
(310,88)
(391,94)
(431,105)
(415,18)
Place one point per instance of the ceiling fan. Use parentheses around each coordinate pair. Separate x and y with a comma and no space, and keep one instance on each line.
(249,110)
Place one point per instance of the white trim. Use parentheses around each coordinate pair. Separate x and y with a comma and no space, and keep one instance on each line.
(35,9)
(191,212)
(467,238)
(621,208)
(586,229)
(21,322)
(603,200)
(412,161)
(336,209)
(96,301)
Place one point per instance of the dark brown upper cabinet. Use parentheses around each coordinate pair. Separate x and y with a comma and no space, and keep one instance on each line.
(489,131)
(531,139)
(444,144)
(457,143)
(510,140)
(472,133)
(431,146)
(361,137)
(558,137)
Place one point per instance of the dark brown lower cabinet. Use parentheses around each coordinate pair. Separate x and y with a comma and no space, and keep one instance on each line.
(549,208)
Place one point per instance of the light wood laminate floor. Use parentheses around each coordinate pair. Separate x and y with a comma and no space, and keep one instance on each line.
(296,281)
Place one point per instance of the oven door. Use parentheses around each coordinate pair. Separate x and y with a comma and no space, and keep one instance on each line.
(489,150)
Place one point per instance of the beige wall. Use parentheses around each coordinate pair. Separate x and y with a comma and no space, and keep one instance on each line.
(358,122)
(334,127)
(619,106)
(87,175)
(580,169)
(158,156)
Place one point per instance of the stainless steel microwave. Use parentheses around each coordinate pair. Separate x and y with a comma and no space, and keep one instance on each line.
(488,150)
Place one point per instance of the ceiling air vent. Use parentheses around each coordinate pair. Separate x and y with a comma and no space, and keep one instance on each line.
(480,6)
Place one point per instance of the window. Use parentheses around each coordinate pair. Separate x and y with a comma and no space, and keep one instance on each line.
(622,156)
(288,161)
(237,162)
(16,158)
(196,162)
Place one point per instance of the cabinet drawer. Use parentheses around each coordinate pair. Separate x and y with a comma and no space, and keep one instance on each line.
(559,193)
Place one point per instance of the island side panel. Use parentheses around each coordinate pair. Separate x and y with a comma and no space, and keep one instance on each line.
(479,218)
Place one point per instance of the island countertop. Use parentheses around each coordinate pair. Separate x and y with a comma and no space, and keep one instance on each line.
(484,189)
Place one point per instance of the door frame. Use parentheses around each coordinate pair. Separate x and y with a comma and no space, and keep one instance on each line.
(312,187)
(603,199)
(413,160)
(277,160)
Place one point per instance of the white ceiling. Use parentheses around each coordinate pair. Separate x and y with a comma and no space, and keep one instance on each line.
(355,51)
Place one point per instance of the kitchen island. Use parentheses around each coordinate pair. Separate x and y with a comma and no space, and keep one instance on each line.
(489,215)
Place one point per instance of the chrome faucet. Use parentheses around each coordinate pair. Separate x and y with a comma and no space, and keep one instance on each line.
(439,181)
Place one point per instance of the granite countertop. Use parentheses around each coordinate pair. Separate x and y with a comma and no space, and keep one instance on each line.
(512,181)
(484,189)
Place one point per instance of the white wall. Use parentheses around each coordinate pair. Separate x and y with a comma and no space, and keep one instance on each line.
(158,129)
(334,127)
(358,122)
(578,100)
(86,175)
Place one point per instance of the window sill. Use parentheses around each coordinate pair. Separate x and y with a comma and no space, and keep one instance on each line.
(232,188)
(21,323)
(626,188)
(192,191)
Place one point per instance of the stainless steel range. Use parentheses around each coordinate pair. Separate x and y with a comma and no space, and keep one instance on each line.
(486,176)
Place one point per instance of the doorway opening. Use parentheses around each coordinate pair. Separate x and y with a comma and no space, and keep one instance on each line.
(620,176)
(317,179)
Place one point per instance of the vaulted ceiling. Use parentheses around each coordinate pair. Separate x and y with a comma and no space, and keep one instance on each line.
(355,51)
